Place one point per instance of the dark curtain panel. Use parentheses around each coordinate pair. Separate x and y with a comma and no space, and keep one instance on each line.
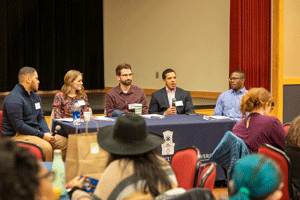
(250,41)
(52,36)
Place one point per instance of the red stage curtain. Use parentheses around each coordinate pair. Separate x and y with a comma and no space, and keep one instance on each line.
(250,41)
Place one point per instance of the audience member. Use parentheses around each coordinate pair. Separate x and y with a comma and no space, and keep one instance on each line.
(23,117)
(21,175)
(71,90)
(255,177)
(292,149)
(122,98)
(258,128)
(228,103)
(162,100)
(133,160)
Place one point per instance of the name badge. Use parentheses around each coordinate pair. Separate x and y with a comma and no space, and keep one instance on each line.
(37,106)
(81,103)
(131,106)
(178,103)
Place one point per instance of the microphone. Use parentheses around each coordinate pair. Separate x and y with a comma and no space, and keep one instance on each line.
(174,102)
(57,128)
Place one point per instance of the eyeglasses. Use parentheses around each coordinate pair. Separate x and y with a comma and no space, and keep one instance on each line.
(126,75)
(50,176)
(233,79)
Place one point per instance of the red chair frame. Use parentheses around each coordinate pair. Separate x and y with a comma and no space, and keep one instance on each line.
(208,174)
(286,126)
(197,166)
(277,155)
(29,145)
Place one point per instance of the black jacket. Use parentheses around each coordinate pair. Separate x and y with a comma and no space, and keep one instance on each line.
(159,102)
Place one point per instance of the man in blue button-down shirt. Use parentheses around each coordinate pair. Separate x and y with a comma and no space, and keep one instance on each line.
(228,103)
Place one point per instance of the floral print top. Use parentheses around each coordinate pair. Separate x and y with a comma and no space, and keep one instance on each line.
(63,108)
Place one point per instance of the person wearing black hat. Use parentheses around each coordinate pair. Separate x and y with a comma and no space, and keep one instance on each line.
(134,169)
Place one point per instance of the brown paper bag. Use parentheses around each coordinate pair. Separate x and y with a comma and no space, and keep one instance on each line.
(84,156)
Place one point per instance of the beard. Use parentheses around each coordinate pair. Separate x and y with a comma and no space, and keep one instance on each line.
(33,89)
(126,82)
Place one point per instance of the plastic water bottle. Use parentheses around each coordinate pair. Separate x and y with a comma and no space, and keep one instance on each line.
(76,113)
(59,168)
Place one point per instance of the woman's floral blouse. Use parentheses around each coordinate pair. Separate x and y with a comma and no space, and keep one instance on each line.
(63,108)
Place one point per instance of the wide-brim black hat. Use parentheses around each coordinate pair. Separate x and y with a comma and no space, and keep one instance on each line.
(128,136)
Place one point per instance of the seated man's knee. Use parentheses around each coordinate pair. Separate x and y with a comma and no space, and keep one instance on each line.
(61,142)
(46,146)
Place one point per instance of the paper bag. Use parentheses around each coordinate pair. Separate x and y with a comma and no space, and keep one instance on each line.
(84,156)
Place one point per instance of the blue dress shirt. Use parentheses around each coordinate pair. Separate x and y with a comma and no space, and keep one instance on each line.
(228,104)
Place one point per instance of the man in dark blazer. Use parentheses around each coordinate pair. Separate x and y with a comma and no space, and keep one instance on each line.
(162,100)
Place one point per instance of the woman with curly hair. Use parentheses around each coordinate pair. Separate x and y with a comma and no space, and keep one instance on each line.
(258,128)
(21,175)
(71,90)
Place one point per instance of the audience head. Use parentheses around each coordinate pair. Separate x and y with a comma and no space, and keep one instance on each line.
(129,141)
(256,98)
(255,177)
(237,80)
(28,77)
(73,82)
(128,136)
(21,175)
(293,134)
(124,74)
(169,78)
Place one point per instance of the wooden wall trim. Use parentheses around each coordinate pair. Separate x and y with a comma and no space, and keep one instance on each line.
(205,95)
(291,81)
(277,58)
(148,92)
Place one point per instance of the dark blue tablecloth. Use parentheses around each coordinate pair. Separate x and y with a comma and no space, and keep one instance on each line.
(187,131)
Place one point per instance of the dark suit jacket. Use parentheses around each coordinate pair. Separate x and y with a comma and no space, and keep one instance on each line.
(159,102)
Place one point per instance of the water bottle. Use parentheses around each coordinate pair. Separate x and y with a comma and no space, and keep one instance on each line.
(59,168)
(76,113)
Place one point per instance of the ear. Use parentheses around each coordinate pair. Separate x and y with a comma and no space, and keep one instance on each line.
(28,79)
(118,77)
(230,184)
(275,196)
(230,188)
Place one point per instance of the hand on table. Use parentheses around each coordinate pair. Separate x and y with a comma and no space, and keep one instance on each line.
(170,111)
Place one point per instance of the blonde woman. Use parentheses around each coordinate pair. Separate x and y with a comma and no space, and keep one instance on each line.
(71,90)
(258,128)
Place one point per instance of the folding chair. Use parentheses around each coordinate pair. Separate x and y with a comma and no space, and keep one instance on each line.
(186,166)
(34,149)
(286,126)
(285,165)
(208,176)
